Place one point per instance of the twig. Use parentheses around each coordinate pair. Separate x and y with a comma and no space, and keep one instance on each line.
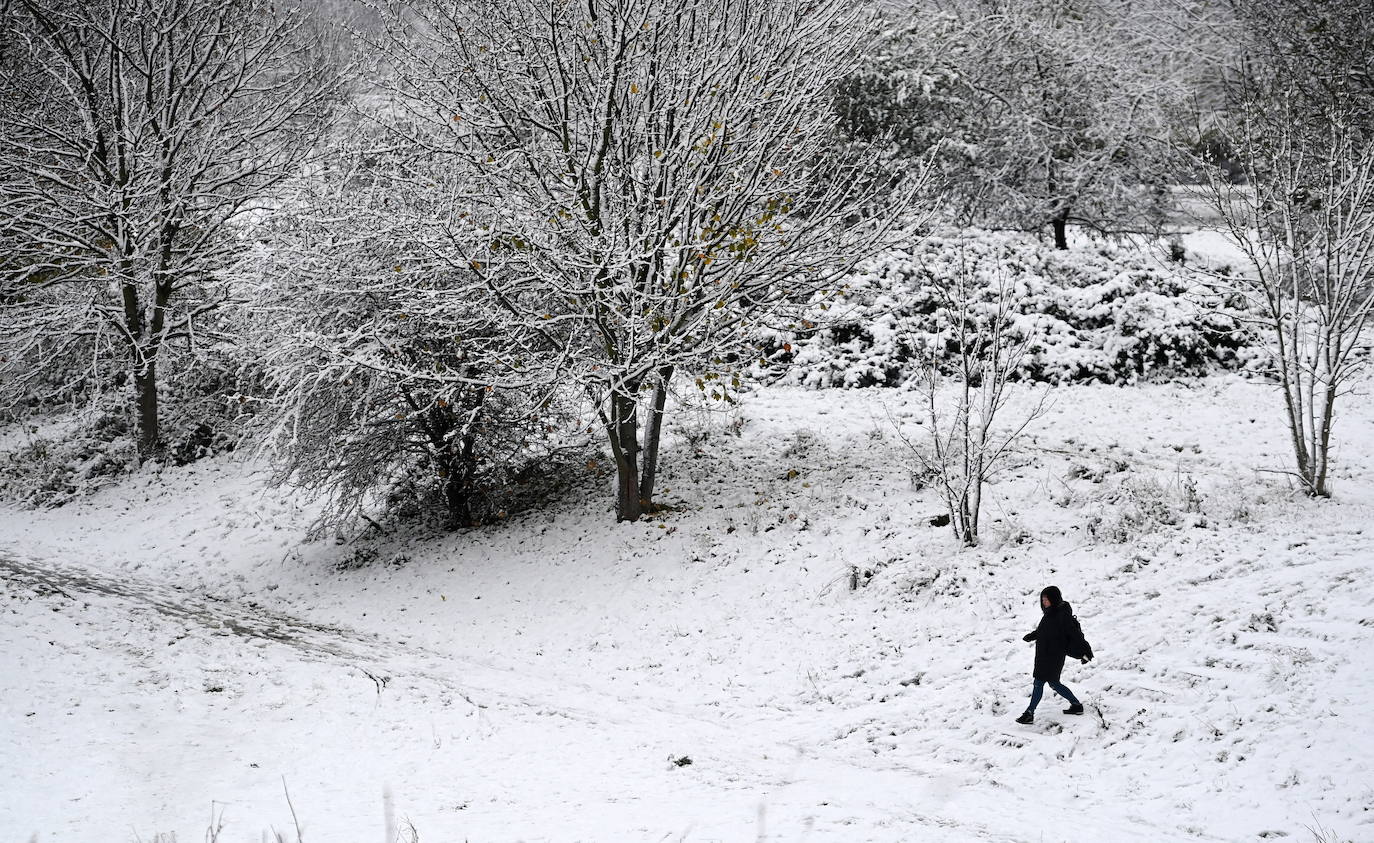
(299,837)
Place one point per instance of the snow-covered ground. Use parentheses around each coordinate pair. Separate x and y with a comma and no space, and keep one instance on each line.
(172,650)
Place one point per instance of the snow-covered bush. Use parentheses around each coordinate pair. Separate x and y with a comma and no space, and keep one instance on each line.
(375,445)
(392,388)
(1247,501)
(1101,313)
(52,470)
(210,404)
(697,418)
(83,438)
(1140,506)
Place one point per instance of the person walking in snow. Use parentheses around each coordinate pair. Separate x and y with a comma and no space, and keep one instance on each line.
(1058,636)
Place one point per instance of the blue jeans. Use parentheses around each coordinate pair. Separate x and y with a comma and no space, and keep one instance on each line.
(1039,691)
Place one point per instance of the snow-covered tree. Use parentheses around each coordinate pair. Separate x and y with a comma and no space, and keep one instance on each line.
(968,438)
(1040,114)
(1303,133)
(133,134)
(641,182)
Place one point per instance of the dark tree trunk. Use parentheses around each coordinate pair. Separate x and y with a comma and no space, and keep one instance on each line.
(624,436)
(145,362)
(457,502)
(452,453)
(1061,226)
(457,453)
(145,399)
(651,439)
(459,470)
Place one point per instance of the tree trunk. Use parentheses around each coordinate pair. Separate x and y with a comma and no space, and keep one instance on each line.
(453,452)
(961,519)
(624,435)
(145,398)
(651,439)
(459,469)
(456,501)
(1061,226)
(975,503)
(1322,457)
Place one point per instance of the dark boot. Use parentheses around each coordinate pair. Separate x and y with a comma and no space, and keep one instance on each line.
(1026,718)
(1076,708)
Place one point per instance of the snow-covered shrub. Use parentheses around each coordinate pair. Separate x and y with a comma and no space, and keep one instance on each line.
(393,386)
(38,381)
(209,404)
(1101,313)
(1128,507)
(375,448)
(49,471)
(697,418)
(202,397)
(1246,501)
(1142,506)
(802,446)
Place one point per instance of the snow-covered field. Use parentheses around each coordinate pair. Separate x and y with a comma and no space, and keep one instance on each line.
(173,652)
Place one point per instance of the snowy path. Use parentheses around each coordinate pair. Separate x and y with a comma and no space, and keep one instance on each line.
(246,621)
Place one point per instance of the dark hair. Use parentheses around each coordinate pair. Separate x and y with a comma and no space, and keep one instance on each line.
(1052,592)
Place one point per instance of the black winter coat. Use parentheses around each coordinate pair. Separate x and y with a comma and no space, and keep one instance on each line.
(1058,636)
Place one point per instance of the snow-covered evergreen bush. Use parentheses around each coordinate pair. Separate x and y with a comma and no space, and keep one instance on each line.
(1101,313)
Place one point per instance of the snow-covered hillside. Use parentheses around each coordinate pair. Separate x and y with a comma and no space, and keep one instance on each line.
(173,651)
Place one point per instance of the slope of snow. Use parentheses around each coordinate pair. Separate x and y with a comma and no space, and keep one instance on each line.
(536,680)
